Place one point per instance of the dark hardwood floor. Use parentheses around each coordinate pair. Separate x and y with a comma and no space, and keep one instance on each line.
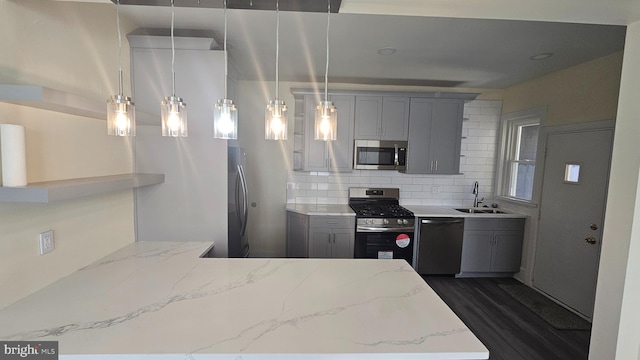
(507,328)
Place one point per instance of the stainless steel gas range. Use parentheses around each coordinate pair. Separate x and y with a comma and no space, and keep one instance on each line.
(384,229)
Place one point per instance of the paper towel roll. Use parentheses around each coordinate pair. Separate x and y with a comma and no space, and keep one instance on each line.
(14,155)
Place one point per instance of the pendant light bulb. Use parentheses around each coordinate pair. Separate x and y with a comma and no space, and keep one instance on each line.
(275,120)
(173,109)
(326,120)
(225,113)
(121,115)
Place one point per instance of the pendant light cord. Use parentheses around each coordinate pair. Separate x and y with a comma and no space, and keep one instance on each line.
(277,44)
(326,70)
(120,90)
(225,49)
(173,55)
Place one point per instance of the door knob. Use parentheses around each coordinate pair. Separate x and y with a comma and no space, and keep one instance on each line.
(591,240)
(593,227)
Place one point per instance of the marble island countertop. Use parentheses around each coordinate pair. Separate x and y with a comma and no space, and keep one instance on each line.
(159,300)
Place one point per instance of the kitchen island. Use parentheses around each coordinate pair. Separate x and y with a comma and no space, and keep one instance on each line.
(160,300)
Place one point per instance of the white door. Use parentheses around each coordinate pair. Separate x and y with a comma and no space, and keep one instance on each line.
(576,173)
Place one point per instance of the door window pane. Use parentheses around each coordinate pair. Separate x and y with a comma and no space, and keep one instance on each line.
(572,173)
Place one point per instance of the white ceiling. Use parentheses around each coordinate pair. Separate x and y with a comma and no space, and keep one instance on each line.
(448,48)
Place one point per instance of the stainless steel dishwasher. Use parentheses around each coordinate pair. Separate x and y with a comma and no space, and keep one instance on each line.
(440,246)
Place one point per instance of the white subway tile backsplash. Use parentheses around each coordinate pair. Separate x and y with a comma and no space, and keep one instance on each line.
(487,139)
(401,180)
(405,188)
(490,111)
(476,146)
(379,180)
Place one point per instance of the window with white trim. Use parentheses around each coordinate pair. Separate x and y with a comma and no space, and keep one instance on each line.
(518,155)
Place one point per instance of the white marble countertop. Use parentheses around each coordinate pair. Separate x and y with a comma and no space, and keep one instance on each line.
(442,211)
(321,209)
(418,211)
(159,300)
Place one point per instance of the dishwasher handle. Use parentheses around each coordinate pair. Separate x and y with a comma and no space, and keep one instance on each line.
(442,221)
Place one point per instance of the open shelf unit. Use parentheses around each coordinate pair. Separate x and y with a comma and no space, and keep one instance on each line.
(48,191)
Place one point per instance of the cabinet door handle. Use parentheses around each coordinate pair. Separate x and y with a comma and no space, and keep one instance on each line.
(431,166)
(436,165)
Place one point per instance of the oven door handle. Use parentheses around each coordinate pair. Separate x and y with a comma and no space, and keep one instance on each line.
(377,229)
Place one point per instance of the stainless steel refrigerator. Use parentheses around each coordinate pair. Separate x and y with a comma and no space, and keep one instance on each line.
(238,210)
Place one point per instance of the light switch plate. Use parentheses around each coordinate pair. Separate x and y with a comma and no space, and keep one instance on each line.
(46,242)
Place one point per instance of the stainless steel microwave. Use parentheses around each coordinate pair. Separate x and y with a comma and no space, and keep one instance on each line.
(380,155)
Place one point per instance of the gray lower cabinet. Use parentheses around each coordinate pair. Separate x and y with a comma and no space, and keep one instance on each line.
(435,135)
(319,236)
(491,247)
(297,235)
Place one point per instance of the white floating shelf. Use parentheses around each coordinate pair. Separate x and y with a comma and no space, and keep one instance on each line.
(55,100)
(48,191)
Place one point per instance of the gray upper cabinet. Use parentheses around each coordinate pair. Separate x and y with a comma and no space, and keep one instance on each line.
(316,155)
(435,133)
(381,117)
(430,121)
(368,117)
(395,118)
(341,150)
(315,152)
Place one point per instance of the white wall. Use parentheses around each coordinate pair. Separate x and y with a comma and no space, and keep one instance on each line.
(616,331)
(71,47)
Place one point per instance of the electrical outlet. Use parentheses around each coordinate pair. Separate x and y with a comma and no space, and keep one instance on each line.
(436,190)
(46,242)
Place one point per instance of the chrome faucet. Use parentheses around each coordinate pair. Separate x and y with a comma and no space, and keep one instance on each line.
(475,192)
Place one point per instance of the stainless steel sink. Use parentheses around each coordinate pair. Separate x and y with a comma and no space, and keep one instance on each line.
(480,211)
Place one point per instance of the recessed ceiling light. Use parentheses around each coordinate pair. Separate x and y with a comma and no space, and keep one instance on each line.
(387,51)
(540,56)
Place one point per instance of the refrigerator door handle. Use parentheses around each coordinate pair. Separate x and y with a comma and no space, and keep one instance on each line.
(245,200)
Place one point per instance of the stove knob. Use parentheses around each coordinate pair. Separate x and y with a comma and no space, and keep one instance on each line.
(405,221)
(385,221)
(369,221)
(400,221)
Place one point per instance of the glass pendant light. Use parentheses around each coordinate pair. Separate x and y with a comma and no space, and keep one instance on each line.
(326,123)
(225,113)
(275,120)
(121,116)
(174,110)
